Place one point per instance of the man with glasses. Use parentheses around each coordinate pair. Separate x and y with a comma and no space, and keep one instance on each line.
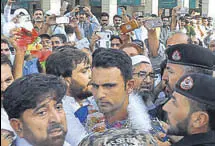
(144,78)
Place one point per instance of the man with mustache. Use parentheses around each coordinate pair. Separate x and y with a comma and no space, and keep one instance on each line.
(35,110)
(112,87)
(38,19)
(191,111)
(144,78)
(74,67)
(183,59)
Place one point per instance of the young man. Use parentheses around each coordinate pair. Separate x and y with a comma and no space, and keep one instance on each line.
(116,42)
(58,40)
(74,67)
(46,42)
(32,100)
(191,111)
(117,21)
(112,86)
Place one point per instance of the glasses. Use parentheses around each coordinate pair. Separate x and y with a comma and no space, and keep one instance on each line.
(144,75)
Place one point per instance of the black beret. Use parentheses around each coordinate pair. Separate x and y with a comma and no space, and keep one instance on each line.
(199,87)
(190,55)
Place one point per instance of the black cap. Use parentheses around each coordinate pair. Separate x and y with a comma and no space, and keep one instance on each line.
(190,55)
(199,87)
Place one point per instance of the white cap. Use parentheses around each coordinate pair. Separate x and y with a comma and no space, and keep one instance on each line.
(139,58)
(21,10)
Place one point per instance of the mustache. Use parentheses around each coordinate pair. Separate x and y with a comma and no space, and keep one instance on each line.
(55,126)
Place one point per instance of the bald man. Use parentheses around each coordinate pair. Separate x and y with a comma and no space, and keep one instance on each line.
(177,38)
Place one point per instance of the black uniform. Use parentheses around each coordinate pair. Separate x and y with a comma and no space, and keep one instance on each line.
(201,139)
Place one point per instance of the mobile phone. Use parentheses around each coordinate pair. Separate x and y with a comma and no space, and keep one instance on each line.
(153,23)
(62,20)
(65,4)
(128,27)
(104,35)
(183,10)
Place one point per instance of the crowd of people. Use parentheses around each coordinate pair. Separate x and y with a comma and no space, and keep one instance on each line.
(85,83)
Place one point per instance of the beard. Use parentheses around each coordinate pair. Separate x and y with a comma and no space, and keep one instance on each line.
(181,129)
(49,140)
(146,92)
(147,95)
(78,92)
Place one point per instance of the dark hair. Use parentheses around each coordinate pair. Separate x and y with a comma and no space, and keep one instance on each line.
(5,42)
(182,18)
(114,58)
(138,42)
(26,92)
(5,61)
(154,15)
(116,37)
(204,18)
(38,9)
(63,62)
(117,16)
(197,106)
(45,36)
(104,14)
(62,37)
(69,29)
